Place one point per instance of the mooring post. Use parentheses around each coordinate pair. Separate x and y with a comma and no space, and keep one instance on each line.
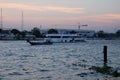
(105,54)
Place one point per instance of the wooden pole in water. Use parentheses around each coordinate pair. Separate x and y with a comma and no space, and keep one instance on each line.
(105,54)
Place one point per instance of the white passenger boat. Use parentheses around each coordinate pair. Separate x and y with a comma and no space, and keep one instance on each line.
(64,38)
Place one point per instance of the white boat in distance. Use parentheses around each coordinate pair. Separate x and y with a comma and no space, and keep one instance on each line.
(64,38)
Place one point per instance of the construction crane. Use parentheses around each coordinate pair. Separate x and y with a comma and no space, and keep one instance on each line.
(79,26)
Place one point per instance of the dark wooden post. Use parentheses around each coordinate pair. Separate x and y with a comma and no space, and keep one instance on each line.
(105,54)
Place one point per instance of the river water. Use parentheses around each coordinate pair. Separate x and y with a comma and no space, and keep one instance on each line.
(60,61)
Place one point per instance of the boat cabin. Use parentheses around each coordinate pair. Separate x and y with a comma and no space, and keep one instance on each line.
(63,37)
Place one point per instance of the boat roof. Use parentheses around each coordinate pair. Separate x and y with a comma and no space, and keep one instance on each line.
(61,34)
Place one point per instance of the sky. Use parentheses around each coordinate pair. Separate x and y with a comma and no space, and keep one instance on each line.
(67,14)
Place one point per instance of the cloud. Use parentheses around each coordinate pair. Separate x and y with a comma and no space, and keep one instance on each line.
(65,9)
(42,8)
(112,16)
(98,18)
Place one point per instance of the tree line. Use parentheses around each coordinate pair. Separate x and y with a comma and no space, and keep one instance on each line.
(102,34)
(35,31)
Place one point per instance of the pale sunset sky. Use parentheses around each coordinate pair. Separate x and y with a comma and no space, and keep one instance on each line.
(67,14)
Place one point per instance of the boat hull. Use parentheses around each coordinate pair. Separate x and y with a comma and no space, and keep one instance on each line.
(39,43)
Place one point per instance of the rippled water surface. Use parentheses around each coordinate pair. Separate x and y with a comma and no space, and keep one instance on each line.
(60,61)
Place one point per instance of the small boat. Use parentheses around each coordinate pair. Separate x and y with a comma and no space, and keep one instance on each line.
(45,42)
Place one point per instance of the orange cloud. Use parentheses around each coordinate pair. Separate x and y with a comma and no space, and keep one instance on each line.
(42,8)
(112,16)
(107,16)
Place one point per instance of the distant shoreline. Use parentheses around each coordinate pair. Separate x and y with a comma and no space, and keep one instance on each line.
(40,39)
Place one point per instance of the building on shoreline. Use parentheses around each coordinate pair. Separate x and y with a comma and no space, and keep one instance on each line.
(6,35)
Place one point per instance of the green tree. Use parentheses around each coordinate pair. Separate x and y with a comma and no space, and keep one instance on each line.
(101,34)
(118,33)
(0,30)
(16,33)
(52,31)
(23,34)
(35,31)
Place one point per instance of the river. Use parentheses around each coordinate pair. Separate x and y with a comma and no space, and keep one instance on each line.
(60,61)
